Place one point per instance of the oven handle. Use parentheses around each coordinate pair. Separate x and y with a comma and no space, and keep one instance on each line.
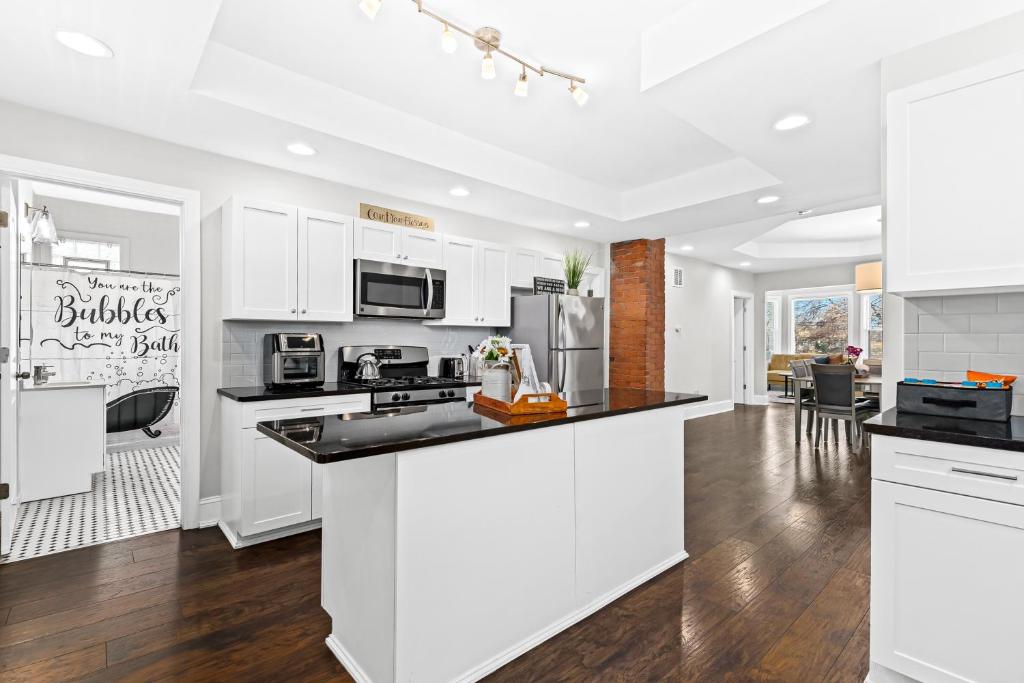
(430,292)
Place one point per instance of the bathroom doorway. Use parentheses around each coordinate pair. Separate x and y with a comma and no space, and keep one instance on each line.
(98,386)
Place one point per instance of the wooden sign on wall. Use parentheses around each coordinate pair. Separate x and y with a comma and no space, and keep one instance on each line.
(392,217)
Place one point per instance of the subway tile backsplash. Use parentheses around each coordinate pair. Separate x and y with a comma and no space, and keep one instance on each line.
(945,336)
(242,352)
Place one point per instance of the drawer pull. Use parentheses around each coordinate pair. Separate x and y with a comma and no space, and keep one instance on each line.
(1007,477)
(311,410)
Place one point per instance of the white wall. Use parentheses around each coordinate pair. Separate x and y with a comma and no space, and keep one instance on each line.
(698,358)
(151,238)
(804,278)
(36,134)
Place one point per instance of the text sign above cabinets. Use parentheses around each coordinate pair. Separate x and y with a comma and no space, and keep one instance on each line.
(285,263)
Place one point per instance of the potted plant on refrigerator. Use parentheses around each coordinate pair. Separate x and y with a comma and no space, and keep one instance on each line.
(575,264)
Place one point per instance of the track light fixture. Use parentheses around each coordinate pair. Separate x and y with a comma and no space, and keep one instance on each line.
(488,41)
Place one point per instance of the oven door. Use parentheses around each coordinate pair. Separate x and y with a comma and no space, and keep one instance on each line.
(394,290)
(299,368)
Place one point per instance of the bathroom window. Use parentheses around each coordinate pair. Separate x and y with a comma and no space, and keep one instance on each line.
(82,253)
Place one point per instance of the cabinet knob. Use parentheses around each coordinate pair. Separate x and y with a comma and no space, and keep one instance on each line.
(293,310)
(406,257)
(303,310)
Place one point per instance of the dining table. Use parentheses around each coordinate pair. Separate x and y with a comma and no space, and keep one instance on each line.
(867,383)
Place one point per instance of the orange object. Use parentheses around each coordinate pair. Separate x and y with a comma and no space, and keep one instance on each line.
(975,376)
(528,404)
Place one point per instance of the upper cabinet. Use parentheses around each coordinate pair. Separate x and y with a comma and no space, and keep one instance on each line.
(285,263)
(954,169)
(394,244)
(478,283)
(525,265)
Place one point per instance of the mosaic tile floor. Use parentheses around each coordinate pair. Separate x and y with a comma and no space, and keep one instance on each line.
(139,493)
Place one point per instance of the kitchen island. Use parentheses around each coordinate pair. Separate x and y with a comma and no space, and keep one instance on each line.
(455,539)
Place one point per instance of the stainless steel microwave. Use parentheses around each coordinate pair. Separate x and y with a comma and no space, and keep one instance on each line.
(394,290)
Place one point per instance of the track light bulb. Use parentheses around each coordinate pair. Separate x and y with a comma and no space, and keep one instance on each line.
(370,7)
(448,42)
(522,85)
(578,94)
(487,70)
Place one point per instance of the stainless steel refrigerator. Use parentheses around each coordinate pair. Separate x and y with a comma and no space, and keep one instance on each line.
(566,338)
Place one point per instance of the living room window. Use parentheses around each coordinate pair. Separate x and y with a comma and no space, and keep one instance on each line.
(772,319)
(821,324)
(871,325)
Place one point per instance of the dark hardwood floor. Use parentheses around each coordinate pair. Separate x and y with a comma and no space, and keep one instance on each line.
(776,589)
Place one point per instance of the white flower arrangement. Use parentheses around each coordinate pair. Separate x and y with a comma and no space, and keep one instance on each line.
(494,348)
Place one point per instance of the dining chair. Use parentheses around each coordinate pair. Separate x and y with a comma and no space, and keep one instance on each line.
(801,368)
(835,400)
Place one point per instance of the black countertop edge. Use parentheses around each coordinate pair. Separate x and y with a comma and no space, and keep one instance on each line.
(581,414)
(261,393)
(1006,436)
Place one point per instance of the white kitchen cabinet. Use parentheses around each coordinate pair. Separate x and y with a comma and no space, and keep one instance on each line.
(268,490)
(461,265)
(325,266)
(478,290)
(283,263)
(377,241)
(260,256)
(954,169)
(947,551)
(525,266)
(551,266)
(495,287)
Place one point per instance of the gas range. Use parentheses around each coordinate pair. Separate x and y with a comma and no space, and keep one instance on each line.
(404,379)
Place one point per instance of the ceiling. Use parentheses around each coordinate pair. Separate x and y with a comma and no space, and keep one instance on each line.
(676,140)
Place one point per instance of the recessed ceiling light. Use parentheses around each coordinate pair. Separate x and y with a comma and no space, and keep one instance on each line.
(792,122)
(767,199)
(301,148)
(686,247)
(581,224)
(84,44)
(459,191)
(804,212)
(744,264)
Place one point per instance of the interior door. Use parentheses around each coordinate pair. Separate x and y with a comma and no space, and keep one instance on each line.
(9,270)
(325,266)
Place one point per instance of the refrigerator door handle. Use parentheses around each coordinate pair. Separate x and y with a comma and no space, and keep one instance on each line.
(561,381)
(560,323)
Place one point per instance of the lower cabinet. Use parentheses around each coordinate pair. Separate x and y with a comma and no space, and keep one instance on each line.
(945,564)
(267,489)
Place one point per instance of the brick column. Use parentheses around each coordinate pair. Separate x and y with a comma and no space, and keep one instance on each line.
(637,335)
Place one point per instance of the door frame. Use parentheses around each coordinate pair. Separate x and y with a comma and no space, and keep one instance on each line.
(748,343)
(191,288)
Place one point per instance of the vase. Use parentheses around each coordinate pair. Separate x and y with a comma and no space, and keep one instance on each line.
(496,381)
(573,292)
(862,367)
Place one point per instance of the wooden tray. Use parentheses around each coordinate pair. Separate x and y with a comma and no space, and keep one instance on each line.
(540,403)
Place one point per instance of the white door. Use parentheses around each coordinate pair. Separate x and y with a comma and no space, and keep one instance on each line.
(495,293)
(263,245)
(551,266)
(421,248)
(325,266)
(461,281)
(945,573)
(276,486)
(377,241)
(524,267)
(739,350)
(9,273)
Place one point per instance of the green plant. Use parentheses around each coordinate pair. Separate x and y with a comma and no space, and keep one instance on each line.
(575,264)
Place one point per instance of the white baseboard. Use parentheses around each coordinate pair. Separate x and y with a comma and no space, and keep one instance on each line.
(335,646)
(237,541)
(706,408)
(759,400)
(209,511)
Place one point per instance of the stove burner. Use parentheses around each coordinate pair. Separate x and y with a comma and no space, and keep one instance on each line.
(402,382)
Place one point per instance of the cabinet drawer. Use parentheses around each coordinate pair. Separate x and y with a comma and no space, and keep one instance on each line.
(967,470)
(264,411)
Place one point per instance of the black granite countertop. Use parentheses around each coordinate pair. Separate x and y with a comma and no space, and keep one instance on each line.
(1007,436)
(261,393)
(359,435)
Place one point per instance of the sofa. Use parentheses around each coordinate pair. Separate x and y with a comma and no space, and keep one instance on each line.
(780,361)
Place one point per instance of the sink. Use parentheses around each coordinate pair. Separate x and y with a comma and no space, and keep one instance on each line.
(63,385)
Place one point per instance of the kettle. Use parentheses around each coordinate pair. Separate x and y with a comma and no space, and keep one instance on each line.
(452,367)
(369,366)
